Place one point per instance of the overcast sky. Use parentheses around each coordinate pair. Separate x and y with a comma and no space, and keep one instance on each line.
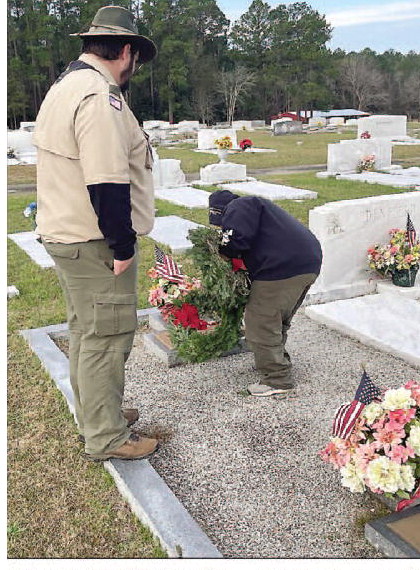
(377,24)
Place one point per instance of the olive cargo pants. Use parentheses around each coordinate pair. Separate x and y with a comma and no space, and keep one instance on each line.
(102,319)
(268,315)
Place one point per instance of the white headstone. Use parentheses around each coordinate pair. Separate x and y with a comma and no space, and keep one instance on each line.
(388,126)
(222,172)
(343,157)
(206,138)
(317,122)
(21,142)
(149,125)
(346,229)
(241,125)
(167,172)
(336,121)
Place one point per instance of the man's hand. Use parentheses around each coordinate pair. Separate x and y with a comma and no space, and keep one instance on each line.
(121,266)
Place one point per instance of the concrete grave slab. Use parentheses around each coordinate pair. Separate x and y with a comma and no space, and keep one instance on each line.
(396,535)
(400,181)
(386,321)
(158,342)
(148,495)
(270,191)
(36,251)
(184,196)
(173,231)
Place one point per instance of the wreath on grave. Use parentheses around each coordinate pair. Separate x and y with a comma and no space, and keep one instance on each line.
(204,315)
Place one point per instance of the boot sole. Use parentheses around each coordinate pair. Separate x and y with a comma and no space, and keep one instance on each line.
(108,457)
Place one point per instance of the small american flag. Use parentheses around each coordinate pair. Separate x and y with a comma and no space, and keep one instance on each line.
(347,414)
(166,266)
(411,232)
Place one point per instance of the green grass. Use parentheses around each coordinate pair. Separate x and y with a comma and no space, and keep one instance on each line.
(59,505)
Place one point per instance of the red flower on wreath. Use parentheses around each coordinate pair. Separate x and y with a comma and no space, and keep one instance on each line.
(187,316)
(245,143)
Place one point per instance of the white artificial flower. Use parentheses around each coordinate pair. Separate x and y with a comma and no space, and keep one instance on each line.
(398,399)
(352,478)
(407,478)
(414,438)
(384,474)
(372,412)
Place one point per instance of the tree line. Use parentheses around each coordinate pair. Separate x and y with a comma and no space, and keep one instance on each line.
(268,61)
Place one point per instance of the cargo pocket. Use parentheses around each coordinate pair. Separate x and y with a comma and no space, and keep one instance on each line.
(114,314)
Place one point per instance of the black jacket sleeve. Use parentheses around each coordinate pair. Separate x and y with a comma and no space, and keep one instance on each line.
(112,205)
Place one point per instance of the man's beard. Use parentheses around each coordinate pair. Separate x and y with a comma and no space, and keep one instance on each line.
(127,73)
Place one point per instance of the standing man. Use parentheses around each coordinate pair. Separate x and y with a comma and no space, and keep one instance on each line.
(283,259)
(95,195)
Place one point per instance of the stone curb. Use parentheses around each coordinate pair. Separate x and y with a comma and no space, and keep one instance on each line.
(146,492)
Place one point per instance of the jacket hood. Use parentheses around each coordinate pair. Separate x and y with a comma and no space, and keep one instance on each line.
(218,202)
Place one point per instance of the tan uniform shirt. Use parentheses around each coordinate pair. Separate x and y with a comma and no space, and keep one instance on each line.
(86,134)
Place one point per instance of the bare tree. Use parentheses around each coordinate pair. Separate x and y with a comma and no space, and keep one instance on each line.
(410,94)
(362,82)
(233,85)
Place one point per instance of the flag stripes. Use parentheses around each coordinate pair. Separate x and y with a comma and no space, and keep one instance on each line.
(347,414)
(167,267)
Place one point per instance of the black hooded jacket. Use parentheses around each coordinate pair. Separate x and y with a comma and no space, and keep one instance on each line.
(272,243)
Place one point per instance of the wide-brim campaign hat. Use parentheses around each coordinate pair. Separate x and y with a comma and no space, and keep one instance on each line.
(118,22)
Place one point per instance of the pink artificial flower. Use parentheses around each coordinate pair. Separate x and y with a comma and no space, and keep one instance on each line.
(337,452)
(408,258)
(398,418)
(400,453)
(155,296)
(385,437)
(364,453)
(394,249)
(415,390)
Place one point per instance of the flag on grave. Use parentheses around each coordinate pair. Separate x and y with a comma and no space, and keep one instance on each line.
(347,414)
(166,266)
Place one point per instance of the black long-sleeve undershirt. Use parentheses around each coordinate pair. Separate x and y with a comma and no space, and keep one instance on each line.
(112,205)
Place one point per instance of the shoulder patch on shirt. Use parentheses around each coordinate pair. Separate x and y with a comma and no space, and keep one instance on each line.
(115,102)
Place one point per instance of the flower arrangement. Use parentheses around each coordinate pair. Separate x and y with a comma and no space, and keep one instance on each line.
(366,163)
(11,152)
(399,254)
(365,135)
(245,143)
(382,453)
(204,316)
(223,143)
(167,294)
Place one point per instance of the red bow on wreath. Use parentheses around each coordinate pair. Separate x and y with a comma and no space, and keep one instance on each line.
(187,316)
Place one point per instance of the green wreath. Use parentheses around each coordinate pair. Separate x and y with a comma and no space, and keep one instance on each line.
(222,298)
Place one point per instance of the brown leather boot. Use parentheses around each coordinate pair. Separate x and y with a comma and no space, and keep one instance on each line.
(136,447)
(130,414)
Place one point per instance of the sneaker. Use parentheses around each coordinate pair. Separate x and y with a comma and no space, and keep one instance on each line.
(130,414)
(265,390)
(136,447)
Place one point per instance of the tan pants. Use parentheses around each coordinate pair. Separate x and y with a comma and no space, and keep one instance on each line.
(268,315)
(101,310)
